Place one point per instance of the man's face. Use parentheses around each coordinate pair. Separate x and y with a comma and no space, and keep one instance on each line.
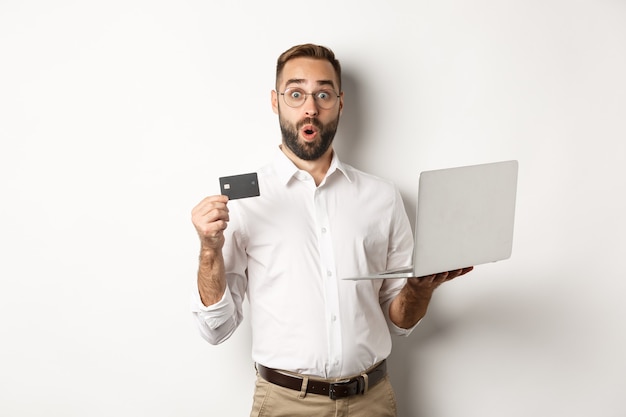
(308,130)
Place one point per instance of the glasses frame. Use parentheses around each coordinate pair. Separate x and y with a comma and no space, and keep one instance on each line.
(313,94)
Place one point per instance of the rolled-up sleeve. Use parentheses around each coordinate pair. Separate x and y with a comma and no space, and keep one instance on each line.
(400,254)
(218,321)
(393,329)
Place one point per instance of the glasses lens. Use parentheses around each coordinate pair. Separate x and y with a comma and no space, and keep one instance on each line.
(294,97)
(326,99)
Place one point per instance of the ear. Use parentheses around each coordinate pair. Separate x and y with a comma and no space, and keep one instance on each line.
(274,101)
(340,103)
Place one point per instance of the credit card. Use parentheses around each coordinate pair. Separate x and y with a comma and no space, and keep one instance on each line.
(240,186)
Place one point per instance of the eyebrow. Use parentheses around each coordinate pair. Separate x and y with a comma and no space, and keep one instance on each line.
(302,81)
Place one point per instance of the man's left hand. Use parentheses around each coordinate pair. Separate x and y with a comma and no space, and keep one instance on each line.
(428,283)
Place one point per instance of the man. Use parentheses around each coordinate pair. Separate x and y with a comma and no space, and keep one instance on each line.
(319,342)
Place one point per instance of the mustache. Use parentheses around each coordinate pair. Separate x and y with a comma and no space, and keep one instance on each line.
(310,121)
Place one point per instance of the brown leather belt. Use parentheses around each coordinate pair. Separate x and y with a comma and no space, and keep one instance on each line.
(334,390)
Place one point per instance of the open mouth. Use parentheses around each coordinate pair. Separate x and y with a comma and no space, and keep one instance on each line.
(309,132)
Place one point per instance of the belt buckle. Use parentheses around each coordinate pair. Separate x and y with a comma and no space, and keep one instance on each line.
(332,393)
(360,387)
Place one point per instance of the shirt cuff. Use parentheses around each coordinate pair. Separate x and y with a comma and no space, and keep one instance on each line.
(216,314)
(399,331)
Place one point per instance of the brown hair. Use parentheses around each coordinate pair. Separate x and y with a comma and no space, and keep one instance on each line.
(308,51)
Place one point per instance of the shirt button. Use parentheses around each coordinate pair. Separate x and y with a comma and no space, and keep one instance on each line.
(329,273)
(323,230)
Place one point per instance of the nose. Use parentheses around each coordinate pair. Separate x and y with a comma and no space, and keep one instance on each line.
(310,106)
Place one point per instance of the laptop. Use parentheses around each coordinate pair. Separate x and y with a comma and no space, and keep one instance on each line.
(465,217)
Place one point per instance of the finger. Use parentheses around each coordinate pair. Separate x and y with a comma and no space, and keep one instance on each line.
(209,203)
(463,271)
(209,209)
(212,231)
(214,220)
(458,272)
(216,214)
(429,278)
(443,277)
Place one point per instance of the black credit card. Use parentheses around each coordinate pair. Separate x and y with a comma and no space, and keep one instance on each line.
(240,186)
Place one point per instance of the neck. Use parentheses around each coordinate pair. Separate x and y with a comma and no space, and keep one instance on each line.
(316,168)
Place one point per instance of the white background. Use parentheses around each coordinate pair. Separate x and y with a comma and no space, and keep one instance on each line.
(117,117)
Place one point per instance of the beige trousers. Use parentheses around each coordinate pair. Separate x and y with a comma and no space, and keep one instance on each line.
(275,401)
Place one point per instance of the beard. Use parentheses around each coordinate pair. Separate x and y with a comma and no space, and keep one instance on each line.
(308,151)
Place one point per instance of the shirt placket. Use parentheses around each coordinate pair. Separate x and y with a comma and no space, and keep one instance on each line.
(328,271)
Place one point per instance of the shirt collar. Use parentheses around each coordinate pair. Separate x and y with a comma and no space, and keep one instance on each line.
(286,169)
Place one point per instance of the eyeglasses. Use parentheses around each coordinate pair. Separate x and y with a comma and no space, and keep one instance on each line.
(295,97)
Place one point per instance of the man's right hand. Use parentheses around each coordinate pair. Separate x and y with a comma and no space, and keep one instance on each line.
(210,218)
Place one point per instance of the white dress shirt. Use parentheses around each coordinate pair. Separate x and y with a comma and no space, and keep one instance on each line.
(287,251)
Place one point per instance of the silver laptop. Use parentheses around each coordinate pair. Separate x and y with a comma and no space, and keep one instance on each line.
(465,217)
